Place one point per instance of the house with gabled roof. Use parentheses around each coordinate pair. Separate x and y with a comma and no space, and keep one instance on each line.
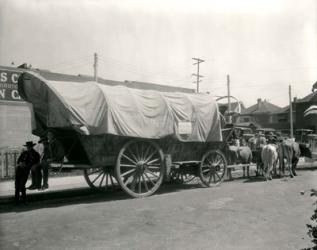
(263,113)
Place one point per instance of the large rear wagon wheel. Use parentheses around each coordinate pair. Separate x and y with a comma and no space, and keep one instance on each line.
(212,168)
(140,168)
(100,178)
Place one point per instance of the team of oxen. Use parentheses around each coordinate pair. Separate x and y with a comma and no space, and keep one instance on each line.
(268,156)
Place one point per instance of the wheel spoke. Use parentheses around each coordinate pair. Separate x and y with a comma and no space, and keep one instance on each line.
(153,167)
(97,177)
(128,158)
(150,172)
(137,152)
(206,170)
(145,184)
(218,175)
(107,176)
(146,153)
(133,155)
(134,182)
(210,175)
(216,164)
(128,173)
(103,176)
(149,179)
(150,162)
(149,157)
(141,153)
(112,183)
(140,188)
(128,165)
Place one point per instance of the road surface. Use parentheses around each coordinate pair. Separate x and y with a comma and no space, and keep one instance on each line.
(239,214)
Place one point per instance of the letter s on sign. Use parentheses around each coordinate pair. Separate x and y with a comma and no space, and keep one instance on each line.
(3,77)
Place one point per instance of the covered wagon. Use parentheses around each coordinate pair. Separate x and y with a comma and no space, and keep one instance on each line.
(129,137)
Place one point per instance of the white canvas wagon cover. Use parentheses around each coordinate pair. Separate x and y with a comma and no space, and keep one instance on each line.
(94,109)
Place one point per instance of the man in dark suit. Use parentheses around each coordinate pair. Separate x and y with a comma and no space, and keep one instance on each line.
(26,160)
(36,171)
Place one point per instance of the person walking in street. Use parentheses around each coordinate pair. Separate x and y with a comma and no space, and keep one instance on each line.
(26,160)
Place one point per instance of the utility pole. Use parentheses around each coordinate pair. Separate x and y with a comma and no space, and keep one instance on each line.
(95,67)
(229,103)
(290,110)
(198,61)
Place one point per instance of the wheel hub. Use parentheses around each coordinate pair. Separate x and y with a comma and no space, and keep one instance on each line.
(141,167)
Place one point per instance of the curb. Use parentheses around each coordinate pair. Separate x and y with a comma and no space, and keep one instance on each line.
(51,195)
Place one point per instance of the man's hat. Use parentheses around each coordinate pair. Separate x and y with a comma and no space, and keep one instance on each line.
(29,144)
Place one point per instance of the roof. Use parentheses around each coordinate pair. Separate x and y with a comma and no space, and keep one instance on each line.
(281,110)
(53,76)
(265,129)
(247,124)
(262,107)
(309,98)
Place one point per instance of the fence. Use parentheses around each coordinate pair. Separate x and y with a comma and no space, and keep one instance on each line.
(8,162)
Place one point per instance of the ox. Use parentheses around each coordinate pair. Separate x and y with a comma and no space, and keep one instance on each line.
(257,143)
(291,151)
(269,159)
(240,154)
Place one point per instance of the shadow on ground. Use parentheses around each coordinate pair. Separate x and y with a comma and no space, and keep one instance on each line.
(83,196)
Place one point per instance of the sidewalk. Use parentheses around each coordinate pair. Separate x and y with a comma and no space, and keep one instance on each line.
(58,187)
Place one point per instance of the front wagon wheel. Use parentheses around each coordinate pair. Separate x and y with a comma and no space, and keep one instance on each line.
(212,168)
(101,178)
(140,168)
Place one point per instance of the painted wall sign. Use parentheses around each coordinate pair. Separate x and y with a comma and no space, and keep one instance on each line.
(9,85)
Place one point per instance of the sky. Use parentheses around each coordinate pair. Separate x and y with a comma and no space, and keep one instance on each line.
(264,46)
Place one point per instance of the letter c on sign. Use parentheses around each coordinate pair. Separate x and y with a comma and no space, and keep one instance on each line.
(14,78)
(15,95)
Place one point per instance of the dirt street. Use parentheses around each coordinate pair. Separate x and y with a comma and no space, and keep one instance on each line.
(241,214)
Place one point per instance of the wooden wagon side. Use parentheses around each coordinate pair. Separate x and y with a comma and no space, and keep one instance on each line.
(138,165)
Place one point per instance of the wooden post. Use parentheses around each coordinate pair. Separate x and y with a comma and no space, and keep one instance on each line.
(229,103)
(6,164)
(95,67)
(290,110)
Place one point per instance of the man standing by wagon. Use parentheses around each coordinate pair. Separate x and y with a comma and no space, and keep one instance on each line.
(26,160)
(40,171)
